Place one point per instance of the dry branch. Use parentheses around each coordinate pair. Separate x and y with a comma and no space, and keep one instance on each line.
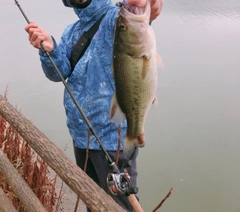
(88,191)
(163,200)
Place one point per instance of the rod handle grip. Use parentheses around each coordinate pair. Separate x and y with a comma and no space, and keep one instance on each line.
(134,203)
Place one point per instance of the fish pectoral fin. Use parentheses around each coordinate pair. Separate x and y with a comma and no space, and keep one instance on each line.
(159,61)
(145,68)
(116,113)
(144,72)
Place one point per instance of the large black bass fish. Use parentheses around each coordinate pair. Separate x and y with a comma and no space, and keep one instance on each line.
(135,72)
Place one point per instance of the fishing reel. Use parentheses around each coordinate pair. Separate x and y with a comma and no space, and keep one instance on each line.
(120,183)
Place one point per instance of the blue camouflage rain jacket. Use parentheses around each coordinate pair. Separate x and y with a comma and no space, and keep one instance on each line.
(91,81)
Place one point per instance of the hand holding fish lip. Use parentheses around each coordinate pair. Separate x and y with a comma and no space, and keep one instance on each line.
(156,6)
(38,35)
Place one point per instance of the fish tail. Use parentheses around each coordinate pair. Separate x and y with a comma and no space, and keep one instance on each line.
(131,143)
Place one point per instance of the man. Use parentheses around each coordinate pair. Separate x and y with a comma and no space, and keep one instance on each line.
(92,84)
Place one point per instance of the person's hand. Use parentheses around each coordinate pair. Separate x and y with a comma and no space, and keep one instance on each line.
(38,35)
(156,6)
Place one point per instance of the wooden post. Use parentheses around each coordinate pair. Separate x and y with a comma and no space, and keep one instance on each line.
(19,186)
(5,204)
(87,190)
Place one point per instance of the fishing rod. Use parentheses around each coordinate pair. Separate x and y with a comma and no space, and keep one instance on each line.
(118,183)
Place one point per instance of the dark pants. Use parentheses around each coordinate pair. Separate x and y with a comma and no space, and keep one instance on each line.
(98,169)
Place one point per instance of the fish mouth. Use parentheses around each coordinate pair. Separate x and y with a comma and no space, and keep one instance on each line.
(132,9)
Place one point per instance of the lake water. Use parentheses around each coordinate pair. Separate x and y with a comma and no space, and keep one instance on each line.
(193,136)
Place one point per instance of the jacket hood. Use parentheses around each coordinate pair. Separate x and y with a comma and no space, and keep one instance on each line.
(91,9)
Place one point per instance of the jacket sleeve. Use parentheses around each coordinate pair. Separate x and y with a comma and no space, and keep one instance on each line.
(60,55)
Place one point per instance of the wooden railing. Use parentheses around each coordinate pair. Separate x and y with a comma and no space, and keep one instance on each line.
(86,189)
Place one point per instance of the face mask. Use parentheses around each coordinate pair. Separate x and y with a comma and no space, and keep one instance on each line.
(78,3)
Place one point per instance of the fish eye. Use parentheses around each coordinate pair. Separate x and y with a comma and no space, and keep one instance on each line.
(122,26)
